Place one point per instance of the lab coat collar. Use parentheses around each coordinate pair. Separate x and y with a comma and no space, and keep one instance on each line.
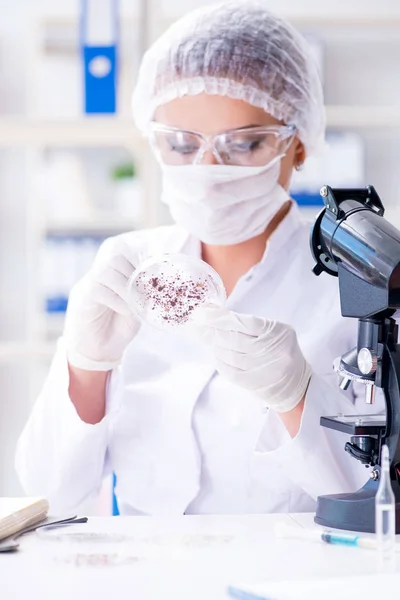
(284,232)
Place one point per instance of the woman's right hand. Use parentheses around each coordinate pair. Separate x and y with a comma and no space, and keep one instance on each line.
(99,322)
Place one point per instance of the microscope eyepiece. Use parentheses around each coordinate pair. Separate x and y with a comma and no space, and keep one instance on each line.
(352,240)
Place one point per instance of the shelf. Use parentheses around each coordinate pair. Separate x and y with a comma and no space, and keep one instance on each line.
(117,132)
(88,131)
(108,225)
(62,36)
(15,351)
(365,21)
(74,23)
(367,117)
(334,24)
(371,21)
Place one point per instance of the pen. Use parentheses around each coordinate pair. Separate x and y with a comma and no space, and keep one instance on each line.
(329,537)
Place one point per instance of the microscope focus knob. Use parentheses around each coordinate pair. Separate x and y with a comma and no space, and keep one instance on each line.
(367,361)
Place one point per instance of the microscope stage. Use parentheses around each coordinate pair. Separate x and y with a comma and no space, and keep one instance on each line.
(356,424)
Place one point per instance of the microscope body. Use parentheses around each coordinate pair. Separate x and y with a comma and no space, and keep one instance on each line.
(352,241)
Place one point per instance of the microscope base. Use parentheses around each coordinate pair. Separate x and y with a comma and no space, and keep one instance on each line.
(354,512)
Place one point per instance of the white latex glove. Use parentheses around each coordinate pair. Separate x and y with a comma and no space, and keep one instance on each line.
(99,322)
(257,354)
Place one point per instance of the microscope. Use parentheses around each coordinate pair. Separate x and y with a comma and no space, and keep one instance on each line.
(352,241)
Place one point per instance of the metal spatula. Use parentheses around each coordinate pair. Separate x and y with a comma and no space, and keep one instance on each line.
(10,544)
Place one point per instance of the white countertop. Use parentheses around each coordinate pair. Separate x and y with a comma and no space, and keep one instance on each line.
(188,557)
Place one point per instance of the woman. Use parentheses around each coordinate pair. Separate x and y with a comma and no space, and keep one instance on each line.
(231,100)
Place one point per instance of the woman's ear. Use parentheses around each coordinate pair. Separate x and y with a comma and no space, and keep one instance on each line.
(299,155)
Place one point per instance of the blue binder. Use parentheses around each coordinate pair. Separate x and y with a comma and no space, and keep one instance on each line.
(100,67)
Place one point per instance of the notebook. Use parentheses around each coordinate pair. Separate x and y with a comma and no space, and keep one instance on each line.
(19,513)
(368,587)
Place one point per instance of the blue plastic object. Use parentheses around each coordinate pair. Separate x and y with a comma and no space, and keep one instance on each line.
(56,304)
(308,198)
(115,509)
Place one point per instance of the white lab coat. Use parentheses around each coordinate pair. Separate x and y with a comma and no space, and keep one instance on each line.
(179,437)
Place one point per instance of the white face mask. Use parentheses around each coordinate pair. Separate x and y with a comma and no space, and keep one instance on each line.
(223,205)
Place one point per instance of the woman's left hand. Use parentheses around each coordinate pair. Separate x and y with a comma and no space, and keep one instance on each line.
(257,354)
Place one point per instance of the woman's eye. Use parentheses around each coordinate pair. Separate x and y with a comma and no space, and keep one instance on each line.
(182,147)
(247,145)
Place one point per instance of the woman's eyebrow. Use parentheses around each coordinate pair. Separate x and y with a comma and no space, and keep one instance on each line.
(251,126)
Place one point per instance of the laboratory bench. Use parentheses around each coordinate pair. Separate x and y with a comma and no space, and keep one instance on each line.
(176,558)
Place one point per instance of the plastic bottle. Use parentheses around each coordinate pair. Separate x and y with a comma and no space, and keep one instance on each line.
(385,513)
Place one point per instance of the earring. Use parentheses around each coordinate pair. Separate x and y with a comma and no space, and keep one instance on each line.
(299,166)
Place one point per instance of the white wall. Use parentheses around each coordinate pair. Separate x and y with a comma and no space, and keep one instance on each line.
(14,380)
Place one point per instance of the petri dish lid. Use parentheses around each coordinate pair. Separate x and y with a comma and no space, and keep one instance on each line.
(166,291)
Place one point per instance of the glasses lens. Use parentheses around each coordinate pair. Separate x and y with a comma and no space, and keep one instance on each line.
(250,148)
(176,147)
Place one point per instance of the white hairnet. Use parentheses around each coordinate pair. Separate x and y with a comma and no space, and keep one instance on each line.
(236,49)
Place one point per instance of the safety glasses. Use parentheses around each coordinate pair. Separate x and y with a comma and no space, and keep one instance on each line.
(250,146)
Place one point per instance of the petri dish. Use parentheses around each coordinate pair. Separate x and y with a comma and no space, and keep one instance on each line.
(166,291)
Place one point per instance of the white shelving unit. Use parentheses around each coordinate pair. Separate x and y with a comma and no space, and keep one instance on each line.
(52,41)
(104,132)
(85,132)
(357,22)
(16,351)
(363,117)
